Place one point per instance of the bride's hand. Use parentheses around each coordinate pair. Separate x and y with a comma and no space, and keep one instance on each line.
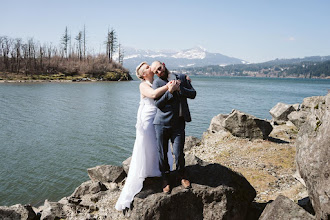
(170,83)
(172,86)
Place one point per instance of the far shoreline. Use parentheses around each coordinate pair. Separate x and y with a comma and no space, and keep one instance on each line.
(8,81)
(265,77)
(58,81)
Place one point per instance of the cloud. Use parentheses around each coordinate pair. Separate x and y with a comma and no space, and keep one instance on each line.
(291,39)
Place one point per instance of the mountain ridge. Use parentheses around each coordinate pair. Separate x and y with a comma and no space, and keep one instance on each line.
(196,57)
(198,60)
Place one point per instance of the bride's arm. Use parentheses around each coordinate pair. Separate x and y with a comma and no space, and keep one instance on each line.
(149,92)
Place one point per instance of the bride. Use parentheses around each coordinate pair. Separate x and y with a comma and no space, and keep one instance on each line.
(144,161)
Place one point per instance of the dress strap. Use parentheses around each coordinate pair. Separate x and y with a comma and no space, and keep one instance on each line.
(149,83)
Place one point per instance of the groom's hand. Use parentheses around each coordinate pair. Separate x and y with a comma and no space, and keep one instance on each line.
(178,82)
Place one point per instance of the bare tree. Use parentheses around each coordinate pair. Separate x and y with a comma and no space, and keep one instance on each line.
(32,58)
(41,55)
(31,54)
(84,40)
(120,54)
(7,44)
(70,46)
(1,52)
(18,45)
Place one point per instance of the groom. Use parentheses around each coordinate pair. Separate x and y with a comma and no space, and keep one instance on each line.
(170,121)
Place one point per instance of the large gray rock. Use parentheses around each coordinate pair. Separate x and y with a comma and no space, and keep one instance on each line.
(17,212)
(217,123)
(308,111)
(244,125)
(191,142)
(284,208)
(106,173)
(52,211)
(89,187)
(191,160)
(298,118)
(217,193)
(313,153)
(280,112)
(126,164)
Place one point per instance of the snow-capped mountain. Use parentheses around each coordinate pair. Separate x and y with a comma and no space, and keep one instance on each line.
(194,53)
(197,56)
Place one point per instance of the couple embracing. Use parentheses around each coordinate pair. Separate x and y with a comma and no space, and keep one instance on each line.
(162,114)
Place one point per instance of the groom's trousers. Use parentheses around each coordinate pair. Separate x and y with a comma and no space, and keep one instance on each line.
(176,134)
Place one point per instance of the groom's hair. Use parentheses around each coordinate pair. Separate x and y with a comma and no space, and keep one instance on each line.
(156,64)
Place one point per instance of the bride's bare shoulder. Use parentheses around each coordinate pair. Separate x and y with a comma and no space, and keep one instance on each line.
(143,84)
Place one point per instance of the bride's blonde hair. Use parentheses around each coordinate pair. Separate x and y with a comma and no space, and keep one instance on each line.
(139,71)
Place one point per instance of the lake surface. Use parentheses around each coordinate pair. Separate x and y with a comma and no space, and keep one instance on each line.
(50,133)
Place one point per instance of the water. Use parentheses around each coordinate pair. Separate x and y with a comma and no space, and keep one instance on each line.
(50,133)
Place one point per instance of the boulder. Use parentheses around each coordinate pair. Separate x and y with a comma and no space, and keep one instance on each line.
(284,208)
(52,210)
(298,118)
(313,153)
(106,173)
(244,125)
(191,160)
(17,212)
(217,193)
(89,187)
(126,164)
(217,123)
(308,111)
(280,112)
(191,142)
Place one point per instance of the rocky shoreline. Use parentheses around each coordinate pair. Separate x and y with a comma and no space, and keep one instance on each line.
(242,168)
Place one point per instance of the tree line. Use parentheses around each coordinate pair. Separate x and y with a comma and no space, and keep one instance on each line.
(31,59)
(305,69)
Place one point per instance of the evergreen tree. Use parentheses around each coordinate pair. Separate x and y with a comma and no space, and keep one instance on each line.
(65,41)
(111,43)
(79,44)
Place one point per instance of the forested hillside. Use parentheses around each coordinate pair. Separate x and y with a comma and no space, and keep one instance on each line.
(305,69)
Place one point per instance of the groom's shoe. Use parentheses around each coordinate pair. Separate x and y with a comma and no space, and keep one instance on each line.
(185,183)
(167,189)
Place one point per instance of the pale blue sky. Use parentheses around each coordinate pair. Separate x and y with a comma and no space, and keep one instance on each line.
(256,31)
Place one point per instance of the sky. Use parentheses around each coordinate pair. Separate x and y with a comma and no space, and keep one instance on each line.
(252,30)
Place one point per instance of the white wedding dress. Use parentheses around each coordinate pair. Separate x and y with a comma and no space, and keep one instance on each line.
(144,161)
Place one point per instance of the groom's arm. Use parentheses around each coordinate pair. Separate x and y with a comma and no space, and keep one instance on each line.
(161,101)
(186,89)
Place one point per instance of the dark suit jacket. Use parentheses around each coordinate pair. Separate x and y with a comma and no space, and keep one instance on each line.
(169,104)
